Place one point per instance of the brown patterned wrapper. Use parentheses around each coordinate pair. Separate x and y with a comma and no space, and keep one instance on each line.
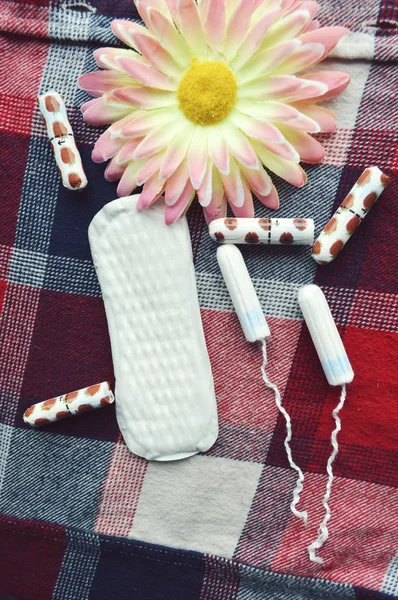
(262,231)
(62,140)
(68,405)
(349,215)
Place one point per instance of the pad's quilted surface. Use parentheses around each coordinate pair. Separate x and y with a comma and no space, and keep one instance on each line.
(165,401)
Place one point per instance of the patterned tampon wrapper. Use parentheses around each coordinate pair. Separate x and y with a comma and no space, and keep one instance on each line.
(349,215)
(60,133)
(242,292)
(262,231)
(68,405)
(325,335)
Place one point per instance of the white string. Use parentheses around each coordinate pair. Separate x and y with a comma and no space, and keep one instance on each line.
(323,532)
(299,484)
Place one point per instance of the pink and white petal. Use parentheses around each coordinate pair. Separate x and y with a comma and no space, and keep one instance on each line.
(284,150)
(122,29)
(145,97)
(205,190)
(190,25)
(323,116)
(240,147)
(254,38)
(114,171)
(176,183)
(150,167)
(197,156)
(288,5)
(203,6)
(312,26)
(105,57)
(311,6)
(151,191)
(302,123)
(146,121)
(270,200)
(127,152)
(268,110)
(103,113)
(266,61)
(286,169)
(270,88)
(106,147)
(143,9)
(170,38)
(116,128)
(335,82)
(176,152)
(173,10)
(218,150)
(157,140)
(305,90)
(217,209)
(145,74)
(89,103)
(303,58)
(309,149)
(237,27)
(128,182)
(232,184)
(256,128)
(179,208)
(288,27)
(327,36)
(246,211)
(154,52)
(100,82)
(214,22)
(258,179)
(162,6)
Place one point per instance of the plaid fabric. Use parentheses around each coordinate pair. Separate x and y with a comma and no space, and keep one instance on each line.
(81,517)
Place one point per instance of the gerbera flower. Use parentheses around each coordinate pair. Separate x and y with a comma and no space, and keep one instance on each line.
(209,98)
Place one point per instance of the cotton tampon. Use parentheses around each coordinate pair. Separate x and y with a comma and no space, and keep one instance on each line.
(338,371)
(324,334)
(349,215)
(262,231)
(60,134)
(243,294)
(68,405)
(255,328)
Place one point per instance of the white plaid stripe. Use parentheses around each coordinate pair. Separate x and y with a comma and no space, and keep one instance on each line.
(78,566)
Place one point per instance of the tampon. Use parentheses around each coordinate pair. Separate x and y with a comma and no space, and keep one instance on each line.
(349,215)
(338,371)
(242,292)
(68,405)
(324,334)
(255,328)
(60,134)
(262,231)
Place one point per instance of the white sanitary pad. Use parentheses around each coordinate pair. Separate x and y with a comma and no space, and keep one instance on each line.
(165,401)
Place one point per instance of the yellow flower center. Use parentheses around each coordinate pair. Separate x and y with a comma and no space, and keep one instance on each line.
(207,92)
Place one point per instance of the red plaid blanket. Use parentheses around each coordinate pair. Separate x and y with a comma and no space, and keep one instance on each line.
(81,517)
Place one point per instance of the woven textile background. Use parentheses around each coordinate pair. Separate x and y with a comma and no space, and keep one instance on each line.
(81,517)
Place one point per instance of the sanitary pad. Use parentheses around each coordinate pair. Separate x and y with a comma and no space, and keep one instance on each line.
(165,401)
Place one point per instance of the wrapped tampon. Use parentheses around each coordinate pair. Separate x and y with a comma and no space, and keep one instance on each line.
(243,294)
(324,334)
(255,328)
(349,215)
(68,405)
(262,231)
(338,371)
(60,133)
